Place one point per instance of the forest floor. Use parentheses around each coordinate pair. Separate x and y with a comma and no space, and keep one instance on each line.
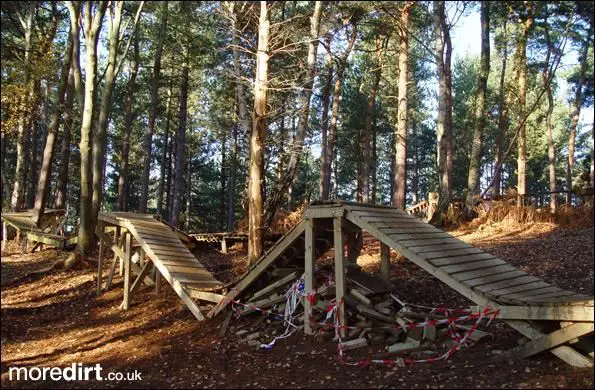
(56,320)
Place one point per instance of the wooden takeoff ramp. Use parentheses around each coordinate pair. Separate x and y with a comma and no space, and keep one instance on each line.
(165,248)
(553,318)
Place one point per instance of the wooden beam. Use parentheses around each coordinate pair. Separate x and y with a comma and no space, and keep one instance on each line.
(385,262)
(100,227)
(4,235)
(271,287)
(141,276)
(564,352)
(157,281)
(205,295)
(264,262)
(550,312)
(550,340)
(127,261)
(308,272)
(223,246)
(339,270)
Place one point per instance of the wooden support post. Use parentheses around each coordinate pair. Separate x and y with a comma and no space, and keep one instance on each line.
(137,282)
(127,261)
(550,340)
(309,272)
(100,226)
(339,271)
(141,257)
(223,246)
(385,262)
(354,241)
(4,235)
(157,281)
(112,271)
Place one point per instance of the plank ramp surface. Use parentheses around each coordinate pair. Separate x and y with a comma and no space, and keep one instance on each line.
(163,245)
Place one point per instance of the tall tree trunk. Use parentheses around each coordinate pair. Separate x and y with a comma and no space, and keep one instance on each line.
(444,125)
(148,140)
(164,165)
(331,152)
(180,155)
(62,180)
(122,200)
(49,149)
(223,182)
(502,115)
(297,149)
(522,139)
(400,179)
(188,195)
(233,165)
(365,146)
(545,75)
(34,138)
(257,140)
(18,192)
(480,114)
(326,94)
(578,102)
(374,178)
(114,20)
(92,27)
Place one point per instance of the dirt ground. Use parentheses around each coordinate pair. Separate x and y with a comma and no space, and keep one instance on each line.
(56,320)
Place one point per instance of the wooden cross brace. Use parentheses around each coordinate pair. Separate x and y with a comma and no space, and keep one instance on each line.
(549,341)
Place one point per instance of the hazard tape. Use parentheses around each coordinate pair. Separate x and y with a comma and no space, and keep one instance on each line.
(332,322)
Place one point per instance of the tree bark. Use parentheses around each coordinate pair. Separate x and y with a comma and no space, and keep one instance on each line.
(326,94)
(578,102)
(475,159)
(122,200)
(331,152)
(522,138)
(257,140)
(545,75)
(180,155)
(49,149)
(164,160)
(148,140)
(502,116)
(93,24)
(400,179)
(444,125)
(223,182)
(297,149)
(98,147)
(18,192)
(233,165)
(365,146)
(62,180)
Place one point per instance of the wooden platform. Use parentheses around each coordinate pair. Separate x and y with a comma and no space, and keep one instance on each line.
(477,275)
(164,247)
(37,234)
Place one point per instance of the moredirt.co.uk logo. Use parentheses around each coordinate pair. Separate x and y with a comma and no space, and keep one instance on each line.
(74,372)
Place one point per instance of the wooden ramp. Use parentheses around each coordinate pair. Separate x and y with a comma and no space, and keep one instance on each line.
(44,232)
(163,246)
(552,317)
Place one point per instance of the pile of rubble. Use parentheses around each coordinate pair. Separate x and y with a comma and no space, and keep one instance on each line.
(375,317)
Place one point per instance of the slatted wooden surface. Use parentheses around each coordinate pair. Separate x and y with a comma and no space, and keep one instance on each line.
(164,247)
(218,237)
(478,275)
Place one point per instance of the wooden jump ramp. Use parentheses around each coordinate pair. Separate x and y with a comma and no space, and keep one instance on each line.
(167,251)
(37,234)
(552,318)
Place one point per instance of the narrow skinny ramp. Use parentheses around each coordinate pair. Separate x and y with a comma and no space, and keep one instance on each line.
(168,253)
